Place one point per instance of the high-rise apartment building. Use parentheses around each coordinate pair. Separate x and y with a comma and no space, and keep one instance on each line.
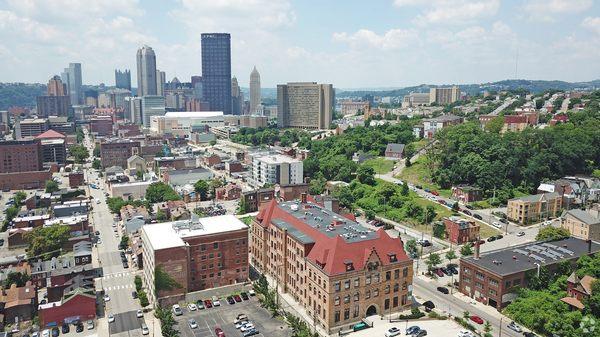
(133,109)
(274,169)
(152,105)
(216,71)
(444,95)
(305,105)
(237,97)
(254,90)
(146,71)
(71,76)
(56,87)
(161,78)
(20,156)
(338,271)
(123,79)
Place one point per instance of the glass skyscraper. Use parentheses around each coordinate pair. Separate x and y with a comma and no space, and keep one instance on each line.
(216,71)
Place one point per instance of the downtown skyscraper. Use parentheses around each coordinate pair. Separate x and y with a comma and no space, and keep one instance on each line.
(123,79)
(216,71)
(71,77)
(254,90)
(146,71)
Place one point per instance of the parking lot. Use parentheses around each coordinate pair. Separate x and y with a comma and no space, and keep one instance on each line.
(434,328)
(223,317)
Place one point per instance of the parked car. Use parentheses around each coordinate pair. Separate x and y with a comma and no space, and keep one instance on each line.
(219,332)
(251,292)
(439,272)
(445,271)
(251,333)
(469,207)
(139,313)
(237,298)
(230,300)
(504,221)
(452,269)
(192,307)
(240,324)
(477,216)
(421,333)
(244,296)
(428,306)
(436,193)
(79,327)
(207,304)
(521,234)
(499,236)
(134,294)
(240,318)
(111,318)
(192,323)
(413,329)
(476,319)
(360,326)
(514,327)
(465,333)
(145,330)
(177,310)
(247,327)
(55,332)
(394,331)
(90,324)
(466,211)
(215,301)
(529,334)
(443,290)
(65,328)
(200,305)
(491,238)
(496,224)
(106,298)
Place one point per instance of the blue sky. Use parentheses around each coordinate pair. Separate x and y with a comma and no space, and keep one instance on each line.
(352,44)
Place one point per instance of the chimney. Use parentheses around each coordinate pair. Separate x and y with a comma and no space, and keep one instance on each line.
(477,249)
(303,197)
(589,246)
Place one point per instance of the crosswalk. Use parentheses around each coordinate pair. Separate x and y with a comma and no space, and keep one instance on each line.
(115,275)
(123,286)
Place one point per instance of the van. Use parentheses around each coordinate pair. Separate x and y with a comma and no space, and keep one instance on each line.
(145,330)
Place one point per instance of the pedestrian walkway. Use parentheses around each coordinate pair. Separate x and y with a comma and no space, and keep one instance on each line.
(114,275)
(125,286)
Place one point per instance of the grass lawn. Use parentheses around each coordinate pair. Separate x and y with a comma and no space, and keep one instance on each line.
(420,144)
(485,231)
(380,165)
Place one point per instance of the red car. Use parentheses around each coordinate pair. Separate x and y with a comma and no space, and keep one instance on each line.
(439,272)
(436,193)
(208,303)
(237,298)
(219,332)
(477,319)
(441,201)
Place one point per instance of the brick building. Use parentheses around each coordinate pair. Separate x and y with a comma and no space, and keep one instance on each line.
(579,290)
(76,179)
(116,151)
(459,230)
(77,305)
(257,199)
(337,270)
(228,192)
(495,277)
(20,156)
(534,208)
(54,149)
(18,303)
(24,180)
(102,125)
(581,224)
(198,254)
(466,193)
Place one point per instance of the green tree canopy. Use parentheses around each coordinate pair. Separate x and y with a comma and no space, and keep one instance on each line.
(51,186)
(17,278)
(80,153)
(432,261)
(552,233)
(366,175)
(47,242)
(201,187)
(159,192)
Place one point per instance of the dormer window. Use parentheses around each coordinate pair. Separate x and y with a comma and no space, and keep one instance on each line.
(392,257)
(349,265)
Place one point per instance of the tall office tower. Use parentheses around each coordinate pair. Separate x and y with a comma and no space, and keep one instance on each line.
(161,78)
(56,87)
(216,71)
(123,79)
(305,105)
(197,87)
(152,105)
(146,71)
(237,97)
(133,109)
(71,76)
(254,90)
(444,95)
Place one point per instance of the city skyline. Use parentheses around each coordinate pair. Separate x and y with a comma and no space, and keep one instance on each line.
(412,42)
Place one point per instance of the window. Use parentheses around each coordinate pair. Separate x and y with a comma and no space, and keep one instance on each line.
(404,286)
(387,289)
(336,301)
(405,272)
(507,284)
(478,285)
(466,279)
(396,287)
(347,299)
(216,245)
(517,282)
(336,286)
(346,313)
(387,304)
(388,275)
(203,257)
(347,284)
(356,282)
(396,274)
(479,276)
(493,283)
(376,280)
(356,297)
(375,292)
(336,316)
(368,280)
(395,302)
(202,248)
(356,311)
(492,292)
(368,294)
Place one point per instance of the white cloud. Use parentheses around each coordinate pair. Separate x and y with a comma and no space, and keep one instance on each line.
(391,40)
(405,3)
(457,11)
(592,24)
(549,10)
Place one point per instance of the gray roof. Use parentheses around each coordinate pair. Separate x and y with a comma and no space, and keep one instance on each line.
(188,176)
(393,147)
(583,216)
(293,232)
(537,197)
(82,248)
(444,118)
(320,218)
(511,260)
(134,224)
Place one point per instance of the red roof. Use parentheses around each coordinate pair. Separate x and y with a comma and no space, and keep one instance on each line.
(333,253)
(515,119)
(50,134)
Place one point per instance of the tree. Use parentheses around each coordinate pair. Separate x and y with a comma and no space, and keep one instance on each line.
(404,190)
(433,260)
(495,125)
(552,233)
(161,216)
(212,143)
(115,204)
(242,207)
(138,283)
(366,175)
(80,153)
(46,242)
(466,250)
(455,207)
(451,255)
(201,187)
(213,185)
(439,230)
(164,281)
(411,246)
(124,241)
(96,152)
(139,175)
(96,164)
(159,192)
(19,197)
(51,186)
(429,214)
(17,278)
(316,186)
(143,298)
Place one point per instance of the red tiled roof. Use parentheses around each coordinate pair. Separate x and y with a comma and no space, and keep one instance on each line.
(50,134)
(333,252)
(572,301)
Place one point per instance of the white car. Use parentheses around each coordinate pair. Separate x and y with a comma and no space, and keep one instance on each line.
(139,313)
(192,307)
(46,333)
(240,324)
(394,331)
(177,310)
(521,234)
(465,333)
(106,298)
(111,318)
(497,225)
(514,327)
(192,323)
(216,303)
(247,327)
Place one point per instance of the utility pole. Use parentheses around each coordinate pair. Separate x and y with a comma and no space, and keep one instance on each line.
(500,328)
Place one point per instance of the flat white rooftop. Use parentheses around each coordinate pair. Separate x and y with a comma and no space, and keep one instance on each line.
(276,159)
(171,234)
(191,114)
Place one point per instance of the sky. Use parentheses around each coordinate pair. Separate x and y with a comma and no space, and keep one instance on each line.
(349,43)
